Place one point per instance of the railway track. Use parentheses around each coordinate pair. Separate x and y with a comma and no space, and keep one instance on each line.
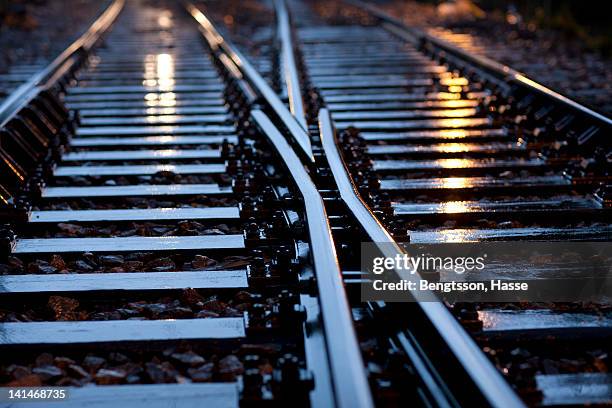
(570,67)
(446,146)
(184,222)
(165,241)
(31,35)
(440,149)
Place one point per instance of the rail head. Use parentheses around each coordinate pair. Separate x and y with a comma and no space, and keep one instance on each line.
(62,64)
(288,64)
(348,373)
(487,378)
(350,383)
(220,44)
(488,64)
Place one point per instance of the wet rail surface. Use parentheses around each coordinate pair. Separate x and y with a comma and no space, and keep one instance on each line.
(443,150)
(443,157)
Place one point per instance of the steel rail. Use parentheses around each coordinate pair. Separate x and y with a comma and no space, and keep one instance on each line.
(287,63)
(491,384)
(509,74)
(468,353)
(485,375)
(64,63)
(488,379)
(220,44)
(349,376)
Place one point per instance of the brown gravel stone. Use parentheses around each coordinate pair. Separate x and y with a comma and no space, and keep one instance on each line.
(213,231)
(186,228)
(191,303)
(230,367)
(63,307)
(189,358)
(139,256)
(234,262)
(203,373)
(137,306)
(161,373)
(599,362)
(93,363)
(90,258)
(192,297)
(48,372)
(81,266)
(173,365)
(155,308)
(131,266)
(111,260)
(71,229)
(40,267)
(58,262)
(130,368)
(202,262)
(214,305)
(77,371)
(176,313)
(106,376)
(161,265)
(63,362)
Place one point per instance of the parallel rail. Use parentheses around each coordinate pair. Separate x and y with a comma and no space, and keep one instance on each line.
(506,73)
(241,66)
(489,382)
(289,68)
(351,390)
(69,60)
(477,367)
